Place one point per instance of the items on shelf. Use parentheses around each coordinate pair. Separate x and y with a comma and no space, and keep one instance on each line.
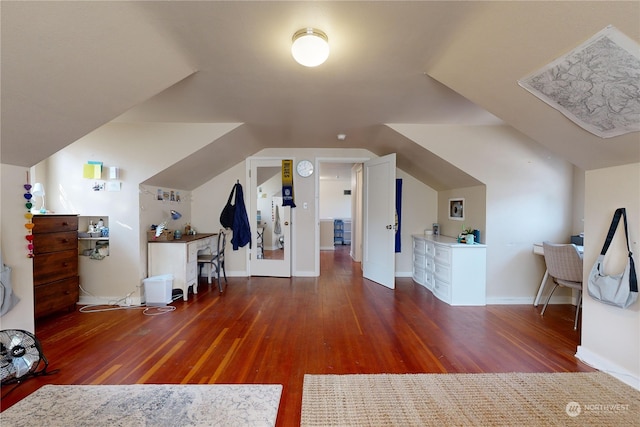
(342,232)
(93,240)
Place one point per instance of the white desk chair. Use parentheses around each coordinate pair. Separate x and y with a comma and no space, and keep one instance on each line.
(564,264)
(214,257)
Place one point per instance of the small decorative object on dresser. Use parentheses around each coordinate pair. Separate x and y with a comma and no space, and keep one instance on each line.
(55,263)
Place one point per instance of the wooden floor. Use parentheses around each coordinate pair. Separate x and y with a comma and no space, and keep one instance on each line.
(271,330)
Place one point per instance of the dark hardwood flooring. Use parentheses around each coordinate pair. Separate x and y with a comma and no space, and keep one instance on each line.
(272,330)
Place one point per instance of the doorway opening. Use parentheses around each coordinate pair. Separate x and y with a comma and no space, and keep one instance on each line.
(340,205)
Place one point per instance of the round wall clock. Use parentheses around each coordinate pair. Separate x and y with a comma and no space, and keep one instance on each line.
(304,168)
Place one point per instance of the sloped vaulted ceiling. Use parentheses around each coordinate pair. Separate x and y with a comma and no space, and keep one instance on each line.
(69,67)
(506,41)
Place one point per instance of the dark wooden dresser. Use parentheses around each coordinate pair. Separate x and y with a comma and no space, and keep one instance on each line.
(55,263)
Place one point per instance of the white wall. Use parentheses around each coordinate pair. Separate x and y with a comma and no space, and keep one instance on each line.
(610,335)
(578,201)
(419,211)
(154,211)
(14,246)
(140,151)
(207,202)
(475,211)
(334,204)
(529,198)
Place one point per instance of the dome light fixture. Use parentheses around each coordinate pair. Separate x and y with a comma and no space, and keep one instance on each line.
(310,47)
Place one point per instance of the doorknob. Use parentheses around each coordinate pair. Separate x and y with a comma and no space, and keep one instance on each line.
(389,227)
(286,223)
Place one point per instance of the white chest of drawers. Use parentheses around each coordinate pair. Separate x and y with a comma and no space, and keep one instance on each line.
(454,272)
(180,258)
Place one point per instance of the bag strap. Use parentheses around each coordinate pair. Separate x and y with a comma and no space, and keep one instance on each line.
(622,212)
(231,194)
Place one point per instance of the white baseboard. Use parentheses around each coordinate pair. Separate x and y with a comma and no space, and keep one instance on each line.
(327,248)
(237,273)
(605,365)
(305,274)
(92,300)
(528,300)
(404,274)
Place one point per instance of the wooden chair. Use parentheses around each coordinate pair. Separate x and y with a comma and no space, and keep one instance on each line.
(214,257)
(564,264)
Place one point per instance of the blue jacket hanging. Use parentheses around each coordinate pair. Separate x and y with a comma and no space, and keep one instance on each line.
(241,228)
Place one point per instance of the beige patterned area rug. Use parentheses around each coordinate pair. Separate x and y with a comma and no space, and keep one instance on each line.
(512,399)
(147,405)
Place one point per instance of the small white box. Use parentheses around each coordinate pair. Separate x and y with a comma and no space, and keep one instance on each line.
(158,289)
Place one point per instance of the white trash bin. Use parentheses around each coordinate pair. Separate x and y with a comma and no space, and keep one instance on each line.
(157,290)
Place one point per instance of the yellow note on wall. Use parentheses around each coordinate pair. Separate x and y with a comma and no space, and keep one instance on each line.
(91,171)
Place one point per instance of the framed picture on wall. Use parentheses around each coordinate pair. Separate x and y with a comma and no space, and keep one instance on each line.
(456,209)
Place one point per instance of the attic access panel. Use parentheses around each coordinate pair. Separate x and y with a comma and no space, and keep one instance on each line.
(597,85)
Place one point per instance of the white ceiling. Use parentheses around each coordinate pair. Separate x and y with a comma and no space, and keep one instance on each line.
(70,67)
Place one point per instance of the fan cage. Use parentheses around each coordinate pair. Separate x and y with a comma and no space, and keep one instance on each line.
(20,355)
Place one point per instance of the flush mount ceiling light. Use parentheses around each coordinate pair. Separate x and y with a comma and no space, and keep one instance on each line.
(310,47)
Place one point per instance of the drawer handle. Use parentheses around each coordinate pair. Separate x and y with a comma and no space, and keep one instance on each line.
(65,240)
(65,264)
(67,292)
(65,223)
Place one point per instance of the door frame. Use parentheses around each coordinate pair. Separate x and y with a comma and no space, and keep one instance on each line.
(251,211)
(318,161)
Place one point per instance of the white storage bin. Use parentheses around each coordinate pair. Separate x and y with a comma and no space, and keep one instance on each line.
(157,290)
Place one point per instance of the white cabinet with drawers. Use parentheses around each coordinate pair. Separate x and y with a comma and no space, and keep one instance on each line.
(454,272)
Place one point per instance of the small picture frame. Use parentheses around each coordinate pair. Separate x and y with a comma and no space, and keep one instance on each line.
(456,209)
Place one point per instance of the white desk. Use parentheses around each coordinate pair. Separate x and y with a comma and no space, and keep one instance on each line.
(180,258)
(538,250)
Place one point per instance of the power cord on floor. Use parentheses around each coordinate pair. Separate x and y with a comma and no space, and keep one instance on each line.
(113,305)
(155,311)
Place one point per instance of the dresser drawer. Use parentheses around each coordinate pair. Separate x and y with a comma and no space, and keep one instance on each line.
(419,246)
(443,272)
(428,280)
(419,261)
(54,223)
(442,254)
(429,263)
(442,290)
(54,242)
(430,248)
(55,296)
(54,266)
(419,275)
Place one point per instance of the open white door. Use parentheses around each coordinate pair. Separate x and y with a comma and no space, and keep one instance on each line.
(379,220)
(271,249)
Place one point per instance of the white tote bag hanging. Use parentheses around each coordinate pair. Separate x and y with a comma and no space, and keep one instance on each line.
(620,290)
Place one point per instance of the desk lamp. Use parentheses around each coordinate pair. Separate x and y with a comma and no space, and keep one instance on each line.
(38,190)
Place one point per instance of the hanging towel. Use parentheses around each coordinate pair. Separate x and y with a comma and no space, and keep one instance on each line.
(241,228)
(276,227)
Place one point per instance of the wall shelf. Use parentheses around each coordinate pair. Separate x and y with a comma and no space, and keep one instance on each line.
(94,243)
